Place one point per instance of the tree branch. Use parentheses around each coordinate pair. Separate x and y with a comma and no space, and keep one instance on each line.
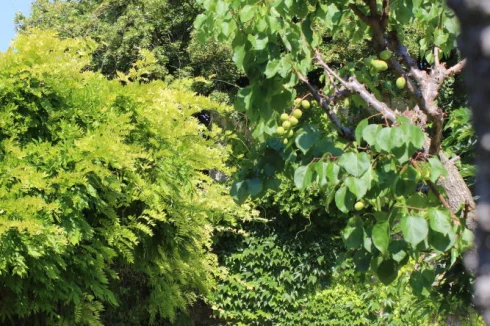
(356,87)
(373,8)
(457,68)
(358,12)
(437,61)
(345,131)
(385,14)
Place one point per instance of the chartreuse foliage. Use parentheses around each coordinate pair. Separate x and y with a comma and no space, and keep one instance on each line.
(100,181)
(395,218)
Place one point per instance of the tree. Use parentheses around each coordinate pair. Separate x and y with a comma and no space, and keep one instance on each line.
(103,199)
(384,167)
(475,45)
(122,29)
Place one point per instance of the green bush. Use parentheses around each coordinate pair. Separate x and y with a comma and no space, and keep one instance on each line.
(101,185)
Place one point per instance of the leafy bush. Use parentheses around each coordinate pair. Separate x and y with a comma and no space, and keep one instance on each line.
(102,184)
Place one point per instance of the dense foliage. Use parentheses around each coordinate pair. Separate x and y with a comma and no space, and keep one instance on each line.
(123,28)
(109,215)
(382,172)
(102,184)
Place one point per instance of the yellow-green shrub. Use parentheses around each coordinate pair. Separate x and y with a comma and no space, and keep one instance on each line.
(101,183)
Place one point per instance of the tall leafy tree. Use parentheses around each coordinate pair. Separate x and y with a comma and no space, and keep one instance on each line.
(381,161)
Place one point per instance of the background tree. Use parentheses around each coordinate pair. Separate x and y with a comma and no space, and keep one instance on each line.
(123,28)
(475,46)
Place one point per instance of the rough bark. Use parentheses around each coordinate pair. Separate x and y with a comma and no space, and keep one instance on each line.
(474,43)
(457,191)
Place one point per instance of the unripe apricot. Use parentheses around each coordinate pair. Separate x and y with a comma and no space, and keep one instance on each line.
(401,82)
(293,121)
(305,104)
(297,113)
(359,205)
(284,116)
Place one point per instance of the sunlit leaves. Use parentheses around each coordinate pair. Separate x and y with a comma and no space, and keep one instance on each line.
(415,229)
(355,164)
(381,236)
(353,233)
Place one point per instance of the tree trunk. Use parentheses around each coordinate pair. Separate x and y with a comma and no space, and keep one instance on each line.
(458,193)
(474,43)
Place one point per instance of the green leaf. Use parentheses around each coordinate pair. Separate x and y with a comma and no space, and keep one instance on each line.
(353,233)
(239,191)
(254,186)
(398,250)
(333,171)
(369,134)
(357,186)
(414,229)
(306,139)
(303,176)
(272,67)
(441,242)
(440,220)
(355,164)
(421,282)
(387,271)
(246,13)
(360,128)
(384,139)
(436,169)
(344,199)
(381,236)
(413,134)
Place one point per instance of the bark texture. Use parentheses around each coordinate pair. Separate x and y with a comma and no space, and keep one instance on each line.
(474,43)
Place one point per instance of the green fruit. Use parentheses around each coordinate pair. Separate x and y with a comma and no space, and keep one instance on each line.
(297,113)
(297,101)
(293,121)
(284,116)
(286,124)
(426,175)
(385,55)
(285,141)
(379,65)
(305,104)
(280,130)
(401,82)
(291,133)
(359,205)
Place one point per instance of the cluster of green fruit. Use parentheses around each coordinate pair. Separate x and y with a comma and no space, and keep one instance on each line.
(381,65)
(290,120)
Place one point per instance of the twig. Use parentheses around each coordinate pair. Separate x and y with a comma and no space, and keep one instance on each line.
(457,68)
(437,61)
